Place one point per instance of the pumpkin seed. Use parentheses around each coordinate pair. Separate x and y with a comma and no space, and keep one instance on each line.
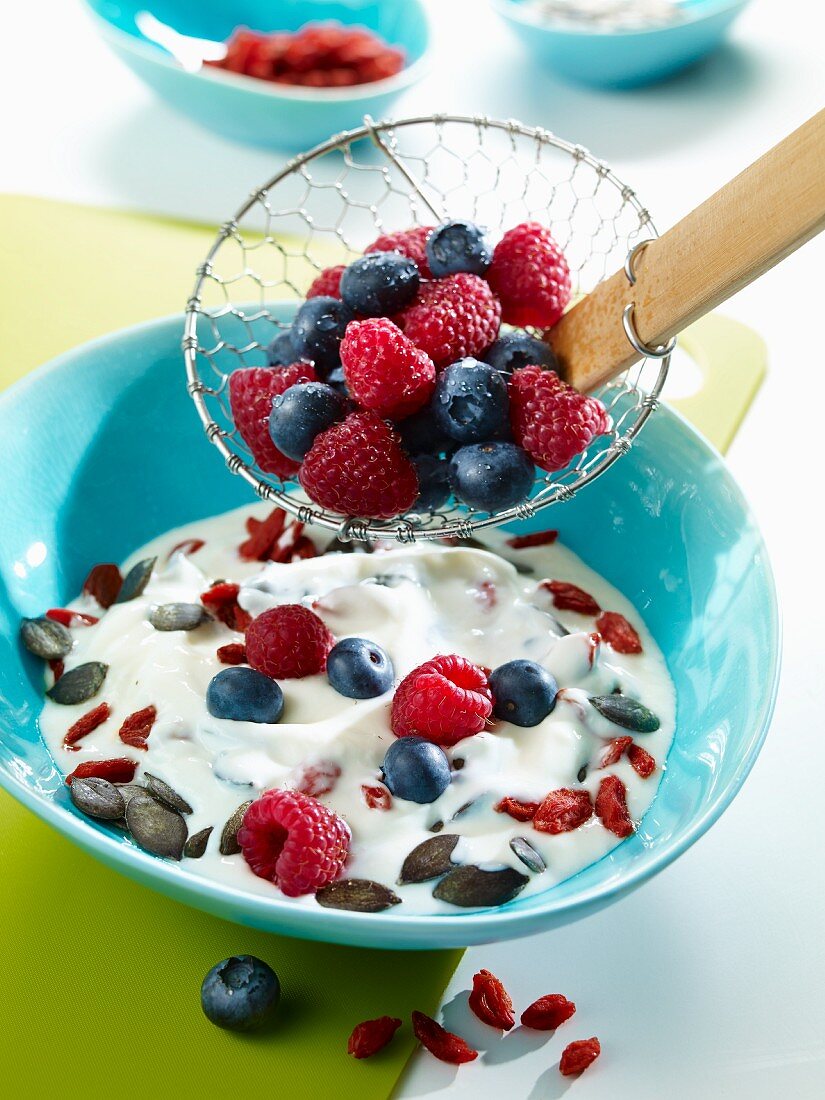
(429,859)
(98,798)
(166,795)
(527,854)
(79,684)
(46,638)
(229,836)
(462,810)
(129,789)
(178,616)
(196,844)
(136,580)
(623,711)
(471,887)
(436,826)
(360,895)
(581,774)
(155,827)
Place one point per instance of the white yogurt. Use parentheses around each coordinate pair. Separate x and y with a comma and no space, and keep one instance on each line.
(416,602)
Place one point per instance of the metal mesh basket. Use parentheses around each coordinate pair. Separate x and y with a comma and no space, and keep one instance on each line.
(326,205)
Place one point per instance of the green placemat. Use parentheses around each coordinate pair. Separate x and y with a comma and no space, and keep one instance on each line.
(102,975)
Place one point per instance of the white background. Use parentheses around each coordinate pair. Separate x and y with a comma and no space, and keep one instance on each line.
(710,980)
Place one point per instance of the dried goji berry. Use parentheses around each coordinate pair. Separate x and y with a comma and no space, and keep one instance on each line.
(221,600)
(103,584)
(304,548)
(188,546)
(563,810)
(232,654)
(569,597)
(577,1056)
(617,631)
(521,811)
(70,618)
(615,750)
(262,539)
(371,1036)
(611,806)
(641,761)
(137,727)
(548,1012)
(118,770)
(490,1001)
(317,779)
(487,594)
(594,643)
(440,1042)
(377,797)
(538,538)
(58,668)
(85,724)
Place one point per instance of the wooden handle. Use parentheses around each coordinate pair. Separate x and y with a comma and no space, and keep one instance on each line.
(735,236)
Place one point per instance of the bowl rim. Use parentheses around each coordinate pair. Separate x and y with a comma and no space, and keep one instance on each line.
(149,51)
(414,930)
(514,10)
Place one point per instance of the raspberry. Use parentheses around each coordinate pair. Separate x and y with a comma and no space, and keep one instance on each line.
(371,1036)
(530,276)
(521,811)
(617,632)
(317,779)
(641,761)
(384,370)
(490,1001)
(410,243)
(357,468)
(70,618)
(294,841)
(103,584)
(569,597)
(137,727)
(443,700)
(576,1057)
(188,546)
(376,796)
(221,600)
(548,1012)
(328,283)
(84,725)
(251,390)
(452,318)
(232,654)
(563,810)
(611,806)
(551,420)
(615,750)
(537,538)
(441,1043)
(263,536)
(118,770)
(288,642)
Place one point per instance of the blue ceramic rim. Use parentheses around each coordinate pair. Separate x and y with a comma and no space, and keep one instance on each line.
(409,75)
(453,930)
(514,9)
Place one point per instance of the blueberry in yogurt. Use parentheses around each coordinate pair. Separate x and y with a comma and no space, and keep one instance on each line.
(524,692)
(359,669)
(244,695)
(416,769)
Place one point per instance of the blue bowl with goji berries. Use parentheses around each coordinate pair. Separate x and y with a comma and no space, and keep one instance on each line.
(89,471)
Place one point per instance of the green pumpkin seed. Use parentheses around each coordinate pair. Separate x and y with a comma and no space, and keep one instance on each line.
(229,836)
(471,887)
(166,795)
(429,859)
(628,713)
(527,854)
(79,684)
(359,895)
(46,638)
(98,798)
(136,580)
(178,616)
(196,844)
(155,827)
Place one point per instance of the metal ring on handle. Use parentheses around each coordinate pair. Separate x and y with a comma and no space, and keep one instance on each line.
(647,351)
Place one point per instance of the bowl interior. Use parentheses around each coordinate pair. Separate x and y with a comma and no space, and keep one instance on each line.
(691,12)
(103,450)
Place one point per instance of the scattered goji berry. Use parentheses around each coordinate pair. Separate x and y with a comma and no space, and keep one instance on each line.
(232,654)
(594,643)
(487,594)
(617,632)
(58,668)
(538,538)
(611,806)
(521,811)
(103,584)
(377,797)
(441,1043)
(577,1056)
(569,597)
(641,761)
(548,1012)
(563,810)
(221,600)
(490,1001)
(304,548)
(262,539)
(84,725)
(615,750)
(67,617)
(317,779)
(118,770)
(137,727)
(188,546)
(371,1036)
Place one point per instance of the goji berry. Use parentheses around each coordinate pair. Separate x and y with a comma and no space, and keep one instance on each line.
(538,538)
(371,1036)
(103,584)
(232,654)
(617,631)
(67,617)
(611,806)
(188,546)
(615,750)
(58,668)
(137,727)
(641,761)
(84,725)
(563,810)
(490,1001)
(118,770)
(521,811)
(221,600)
(262,539)
(441,1043)
(304,548)
(318,779)
(548,1012)
(569,597)
(377,797)
(577,1056)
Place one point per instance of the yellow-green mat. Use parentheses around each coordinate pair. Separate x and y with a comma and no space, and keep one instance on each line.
(102,976)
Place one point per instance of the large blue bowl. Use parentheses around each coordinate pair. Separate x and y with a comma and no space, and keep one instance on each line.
(102,450)
(627,58)
(246,109)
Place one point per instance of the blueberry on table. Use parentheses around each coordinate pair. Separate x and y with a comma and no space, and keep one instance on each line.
(491,477)
(244,695)
(433,483)
(318,330)
(416,769)
(240,993)
(458,246)
(281,351)
(359,669)
(514,350)
(470,403)
(524,692)
(301,413)
(380,284)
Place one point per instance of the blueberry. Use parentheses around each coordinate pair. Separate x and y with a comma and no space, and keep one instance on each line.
(239,993)
(433,483)
(302,412)
(491,476)
(519,349)
(318,329)
(524,692)
(336,379)
(422,434)
(416,769)
(470,403)
(380,284)
(359,669)
(281,352)
(458,246)
(244,695)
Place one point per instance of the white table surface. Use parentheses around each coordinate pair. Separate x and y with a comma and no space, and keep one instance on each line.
(710,980)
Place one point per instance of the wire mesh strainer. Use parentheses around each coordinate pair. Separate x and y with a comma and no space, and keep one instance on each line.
(326,205)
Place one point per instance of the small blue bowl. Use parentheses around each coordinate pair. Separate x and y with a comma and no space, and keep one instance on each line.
(102,450)
(624,58)
(243,108)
